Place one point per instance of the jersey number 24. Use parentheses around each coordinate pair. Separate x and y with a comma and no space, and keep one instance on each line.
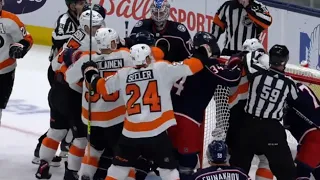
(150,98)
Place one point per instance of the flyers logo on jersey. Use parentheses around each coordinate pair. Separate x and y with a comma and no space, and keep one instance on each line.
(23,6)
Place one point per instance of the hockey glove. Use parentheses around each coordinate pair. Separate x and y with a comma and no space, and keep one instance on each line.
(71,55)
(89,71)
(16,51)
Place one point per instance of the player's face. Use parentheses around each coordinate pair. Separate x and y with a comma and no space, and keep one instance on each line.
(113,45)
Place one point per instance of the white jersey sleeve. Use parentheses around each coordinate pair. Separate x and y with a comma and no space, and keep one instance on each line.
(12,31)
(74,72)
(176,70)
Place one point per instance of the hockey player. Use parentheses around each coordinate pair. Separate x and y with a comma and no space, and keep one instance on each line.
(190,109)
(65,101)
(217,153)
(145,88)
(302,120)
(108,111)
(175,35)
(15,43)
(237,102)
(66,25)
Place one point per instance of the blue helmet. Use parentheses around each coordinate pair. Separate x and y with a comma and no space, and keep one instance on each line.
(144,37)
(217,152)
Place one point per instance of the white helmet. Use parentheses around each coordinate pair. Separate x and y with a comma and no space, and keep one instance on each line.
(104,38)
(97,19)
(139,53)
(252,45)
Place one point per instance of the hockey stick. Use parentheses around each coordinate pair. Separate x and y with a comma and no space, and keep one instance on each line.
(126,24)
(91,93)
(302,116)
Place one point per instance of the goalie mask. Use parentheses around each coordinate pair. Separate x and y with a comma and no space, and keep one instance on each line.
(107,38)
(160,11)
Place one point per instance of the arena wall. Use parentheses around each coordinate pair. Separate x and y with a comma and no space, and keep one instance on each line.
(296,27)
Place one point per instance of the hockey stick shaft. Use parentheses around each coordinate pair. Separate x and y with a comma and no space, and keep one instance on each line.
(302,116)
(93,2)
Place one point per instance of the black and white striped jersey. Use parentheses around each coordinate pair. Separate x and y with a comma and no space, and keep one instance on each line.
(269,89)
(240,23)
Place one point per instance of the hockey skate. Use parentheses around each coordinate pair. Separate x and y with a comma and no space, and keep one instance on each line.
(54,163)
(69,174)
(43,170)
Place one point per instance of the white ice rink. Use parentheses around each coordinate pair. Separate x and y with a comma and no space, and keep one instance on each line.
(26,118)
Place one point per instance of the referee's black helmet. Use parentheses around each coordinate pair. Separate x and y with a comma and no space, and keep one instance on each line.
(279,55)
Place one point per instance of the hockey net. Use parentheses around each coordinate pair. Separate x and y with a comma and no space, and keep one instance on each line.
(217,112)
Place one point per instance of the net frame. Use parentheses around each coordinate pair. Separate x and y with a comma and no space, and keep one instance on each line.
(217,112)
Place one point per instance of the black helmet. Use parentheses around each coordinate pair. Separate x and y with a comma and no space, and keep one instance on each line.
(279,55)
(98,8)
(144,37)
(201,38)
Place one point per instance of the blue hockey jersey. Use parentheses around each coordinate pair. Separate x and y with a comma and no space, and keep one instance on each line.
(307,104)
(221,173)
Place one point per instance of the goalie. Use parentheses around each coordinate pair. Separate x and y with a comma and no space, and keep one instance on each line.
(302,120)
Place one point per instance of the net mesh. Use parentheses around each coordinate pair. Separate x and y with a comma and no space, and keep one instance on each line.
(217,112)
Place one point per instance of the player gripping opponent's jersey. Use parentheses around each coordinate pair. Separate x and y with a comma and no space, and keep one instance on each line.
(15,42)
(146,92)
(219,169)
(301,119)
(107,111)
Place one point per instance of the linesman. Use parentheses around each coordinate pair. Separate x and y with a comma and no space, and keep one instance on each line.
(241,20)
(261,131)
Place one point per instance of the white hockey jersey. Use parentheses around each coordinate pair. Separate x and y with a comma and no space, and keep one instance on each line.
(146,92)
(79,40)
(106,110)
(12,30)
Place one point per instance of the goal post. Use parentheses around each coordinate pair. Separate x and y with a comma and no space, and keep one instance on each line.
(217,112)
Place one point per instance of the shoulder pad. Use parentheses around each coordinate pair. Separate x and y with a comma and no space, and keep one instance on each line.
(182,28)
(138,24)
(144,22)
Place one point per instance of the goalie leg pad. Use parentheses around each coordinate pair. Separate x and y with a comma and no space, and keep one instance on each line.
(171,174)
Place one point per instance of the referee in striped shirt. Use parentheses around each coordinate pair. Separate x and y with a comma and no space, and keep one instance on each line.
(241,20)
(261,131)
